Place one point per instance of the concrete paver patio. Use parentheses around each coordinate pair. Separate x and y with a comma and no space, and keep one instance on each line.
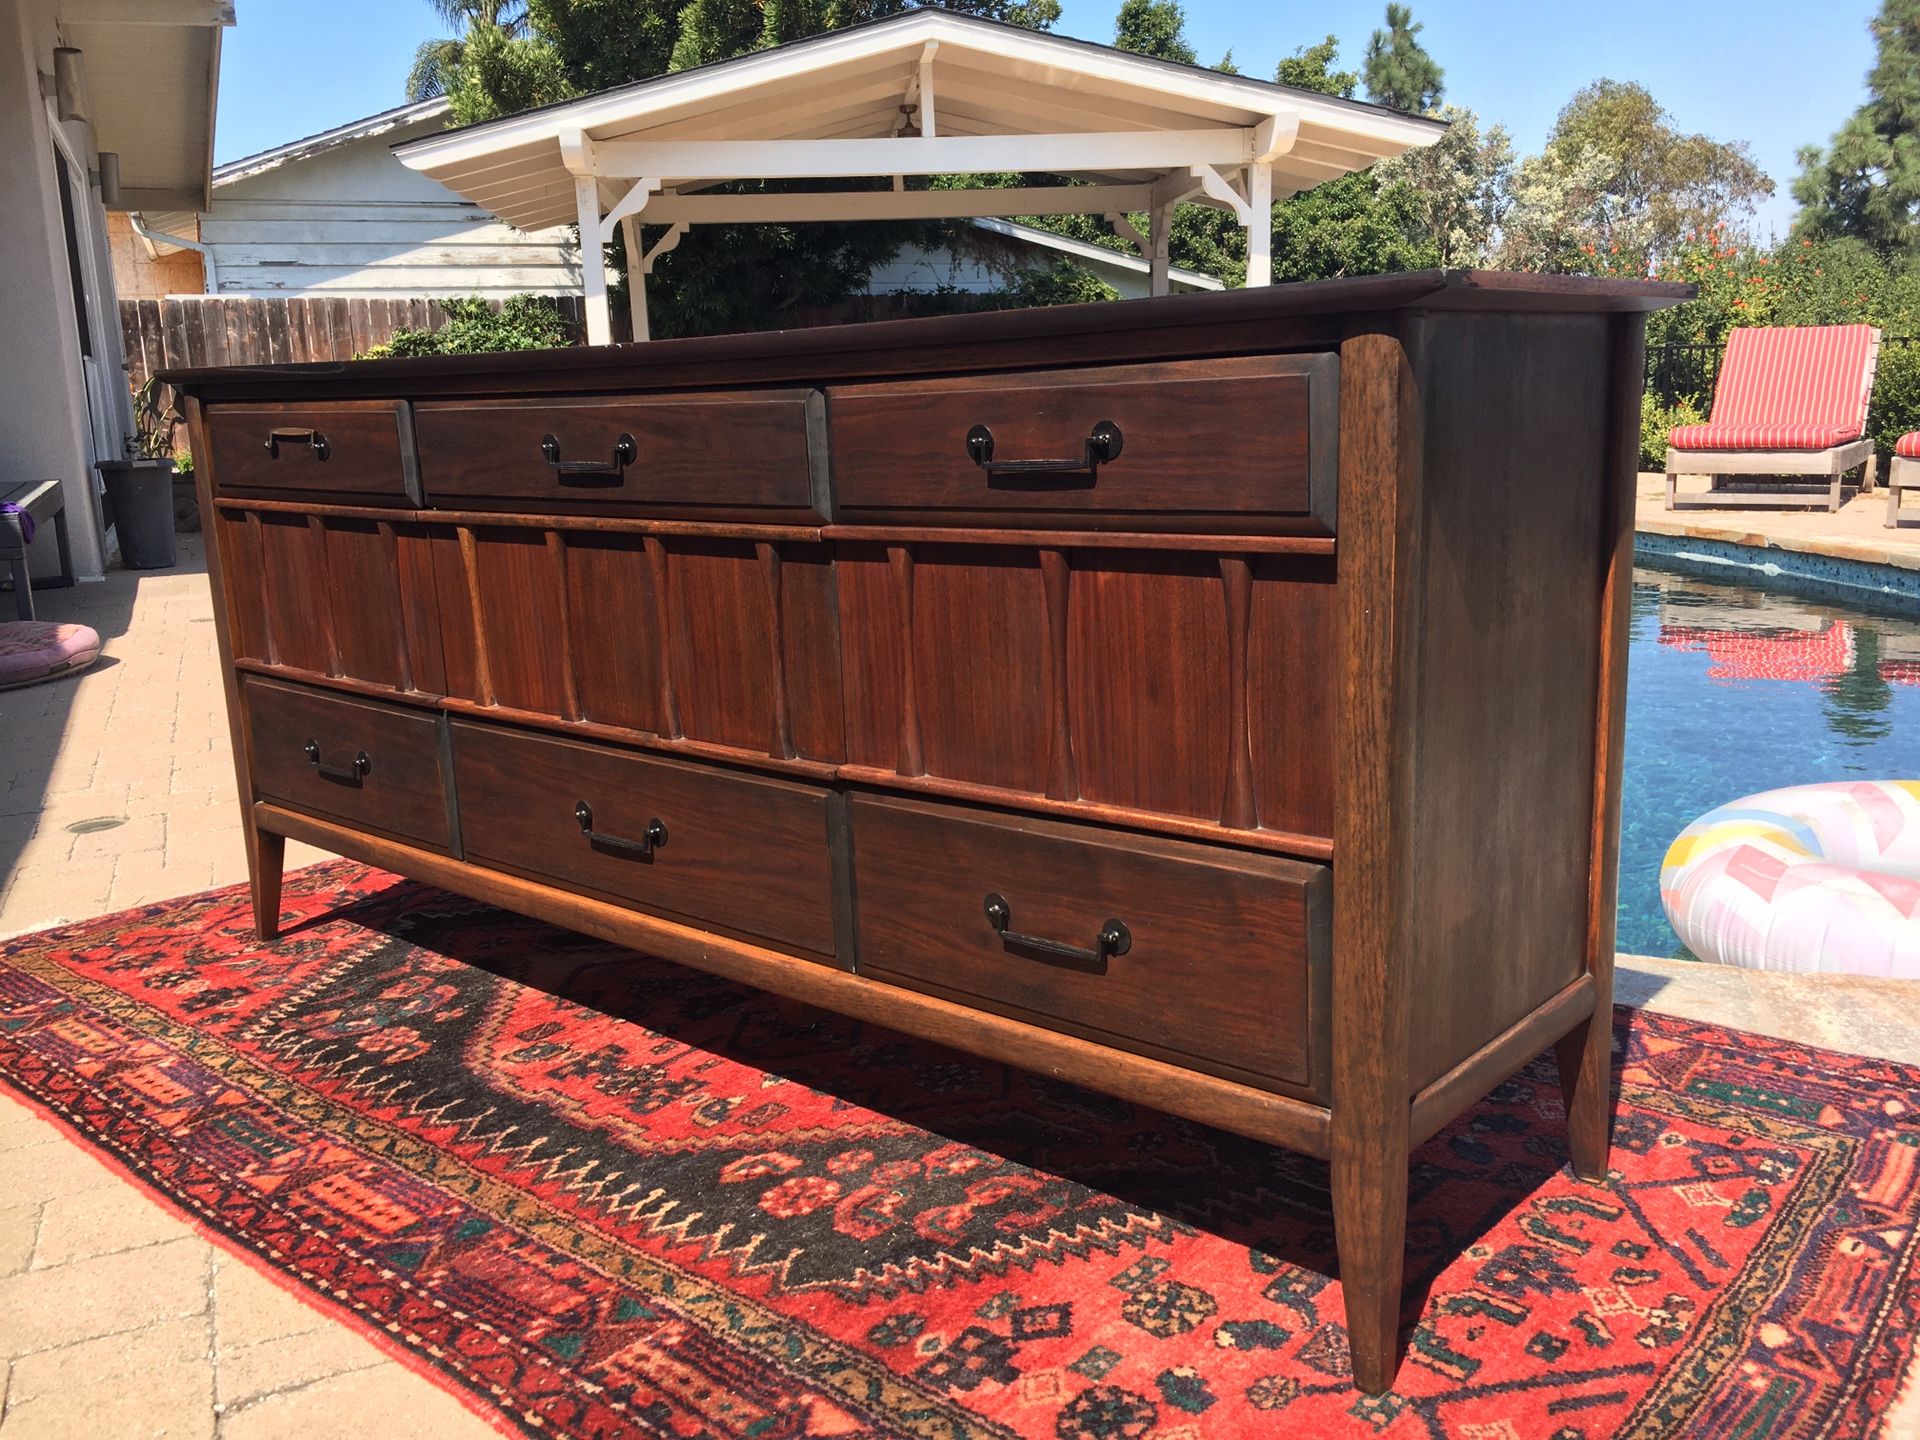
(119,1319)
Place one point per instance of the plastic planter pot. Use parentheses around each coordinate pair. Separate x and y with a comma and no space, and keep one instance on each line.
(140,499)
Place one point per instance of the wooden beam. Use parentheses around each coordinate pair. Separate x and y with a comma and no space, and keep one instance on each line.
(897,204)
(910,155)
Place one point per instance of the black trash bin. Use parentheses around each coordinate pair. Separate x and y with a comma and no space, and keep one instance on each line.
(140,504)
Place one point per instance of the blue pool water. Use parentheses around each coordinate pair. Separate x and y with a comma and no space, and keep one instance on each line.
(1731,690)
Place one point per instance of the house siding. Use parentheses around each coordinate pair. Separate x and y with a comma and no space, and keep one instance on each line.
(353,221)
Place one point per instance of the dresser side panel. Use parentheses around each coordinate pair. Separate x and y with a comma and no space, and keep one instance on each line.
(1506,635)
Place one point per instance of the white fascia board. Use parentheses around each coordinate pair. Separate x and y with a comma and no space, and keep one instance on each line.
(905,34)
(250,165)
(911,155)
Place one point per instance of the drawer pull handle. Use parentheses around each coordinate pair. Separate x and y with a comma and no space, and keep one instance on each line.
(1114,938)
(345,774)
(655,837)
(591,472)
(1103,446)
(287,435)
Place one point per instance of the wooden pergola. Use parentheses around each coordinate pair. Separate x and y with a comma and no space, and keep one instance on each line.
(923,93)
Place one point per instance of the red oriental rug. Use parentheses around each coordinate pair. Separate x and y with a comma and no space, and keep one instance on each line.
(602,1195)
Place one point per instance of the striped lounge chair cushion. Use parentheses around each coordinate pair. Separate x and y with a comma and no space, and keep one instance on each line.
(1804,388)
(1908,445)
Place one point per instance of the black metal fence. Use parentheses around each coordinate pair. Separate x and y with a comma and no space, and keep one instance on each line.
(1674,371)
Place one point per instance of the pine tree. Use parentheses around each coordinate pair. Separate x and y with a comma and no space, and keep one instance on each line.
(1398,70)
(1866,184)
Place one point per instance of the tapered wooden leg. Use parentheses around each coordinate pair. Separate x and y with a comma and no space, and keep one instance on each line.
(1585,1054)
(1370,1224)
(266,858)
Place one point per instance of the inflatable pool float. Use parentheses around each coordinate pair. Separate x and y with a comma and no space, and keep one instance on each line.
(1810,878)
(33,650)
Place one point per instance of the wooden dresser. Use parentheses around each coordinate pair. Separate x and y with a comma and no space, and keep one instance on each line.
(1215,701)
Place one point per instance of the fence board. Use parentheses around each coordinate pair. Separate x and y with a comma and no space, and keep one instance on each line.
(199,330)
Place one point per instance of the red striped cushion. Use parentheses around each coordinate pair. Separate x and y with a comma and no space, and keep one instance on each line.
(1908,445)
(1799,388)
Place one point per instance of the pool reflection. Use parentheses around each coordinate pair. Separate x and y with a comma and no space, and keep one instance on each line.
(1733,690)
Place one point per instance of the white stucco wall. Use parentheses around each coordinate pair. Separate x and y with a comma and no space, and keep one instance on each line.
(352,220)
(43,409)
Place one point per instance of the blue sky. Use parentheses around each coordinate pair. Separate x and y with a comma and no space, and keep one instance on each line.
(1762,71)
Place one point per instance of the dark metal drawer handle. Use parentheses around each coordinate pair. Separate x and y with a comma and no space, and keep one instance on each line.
(1114,938)
(346,774)
(312,439)
(590,472)
(1103,446)
(652,840)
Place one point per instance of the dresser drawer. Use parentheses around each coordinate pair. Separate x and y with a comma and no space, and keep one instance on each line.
(379,767)
(358,450)
(691,454)
(712,846)
(1183,444)
(1209,958)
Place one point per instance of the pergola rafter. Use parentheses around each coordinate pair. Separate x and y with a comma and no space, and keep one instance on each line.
(921,94)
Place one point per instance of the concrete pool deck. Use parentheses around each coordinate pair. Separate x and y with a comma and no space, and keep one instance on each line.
(1857,531)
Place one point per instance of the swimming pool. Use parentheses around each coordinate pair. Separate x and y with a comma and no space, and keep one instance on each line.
(1731,690)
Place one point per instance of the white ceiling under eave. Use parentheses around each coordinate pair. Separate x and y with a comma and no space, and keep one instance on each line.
(152,75)
(990,82)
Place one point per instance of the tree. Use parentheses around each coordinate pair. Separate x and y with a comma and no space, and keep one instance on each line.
(1866,184)
(436,62)
(1461,187)
(1398,70)
(1311,68)
(720,277)
(1154,27)
(1618,188)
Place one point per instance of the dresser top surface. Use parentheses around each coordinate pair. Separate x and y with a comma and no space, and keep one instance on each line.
(1126,329)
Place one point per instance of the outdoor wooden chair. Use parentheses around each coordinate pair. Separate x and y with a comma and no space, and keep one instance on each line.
(1791,403)
(38,501)
(1903,474)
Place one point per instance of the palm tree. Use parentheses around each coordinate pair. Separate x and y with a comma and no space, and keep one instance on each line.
(435,62)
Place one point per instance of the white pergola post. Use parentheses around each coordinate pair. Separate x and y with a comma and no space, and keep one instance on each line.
(1159,259)
(593,260)
(636,276)
(1259,225)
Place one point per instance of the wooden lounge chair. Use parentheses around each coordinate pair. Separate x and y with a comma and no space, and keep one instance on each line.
(1790,403)
(1902,474)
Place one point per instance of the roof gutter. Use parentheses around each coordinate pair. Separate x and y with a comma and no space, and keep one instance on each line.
(160,237)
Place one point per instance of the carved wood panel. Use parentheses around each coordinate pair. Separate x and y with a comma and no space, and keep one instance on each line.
(1182,684)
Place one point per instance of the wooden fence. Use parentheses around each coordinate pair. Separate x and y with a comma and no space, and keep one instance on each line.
(276,330)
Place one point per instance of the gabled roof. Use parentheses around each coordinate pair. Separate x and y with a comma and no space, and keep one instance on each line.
(384,123)
(988,79)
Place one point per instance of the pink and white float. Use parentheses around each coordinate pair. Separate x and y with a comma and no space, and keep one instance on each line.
(1809,878)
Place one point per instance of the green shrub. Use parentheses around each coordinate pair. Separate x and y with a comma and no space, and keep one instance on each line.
(474,327)
(1896,396)
(1062,283)
(1657,420)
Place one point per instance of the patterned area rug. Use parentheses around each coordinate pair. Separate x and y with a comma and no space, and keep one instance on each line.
(603,1196)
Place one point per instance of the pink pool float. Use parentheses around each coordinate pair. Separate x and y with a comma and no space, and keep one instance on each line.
(1822,878)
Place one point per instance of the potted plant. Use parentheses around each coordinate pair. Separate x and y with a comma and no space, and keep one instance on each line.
(140,487)
(186,498)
